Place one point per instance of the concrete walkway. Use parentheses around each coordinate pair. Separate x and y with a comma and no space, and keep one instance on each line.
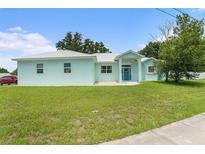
(188,131)
(129,83)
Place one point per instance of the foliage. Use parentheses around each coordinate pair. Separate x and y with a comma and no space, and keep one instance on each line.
(76,43)
(3,70)
(162,69)
(151,50)
(183,53)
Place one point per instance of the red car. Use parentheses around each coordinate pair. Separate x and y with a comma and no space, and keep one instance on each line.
(8,80)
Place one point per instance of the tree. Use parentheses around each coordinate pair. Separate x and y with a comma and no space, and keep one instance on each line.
(88,46)
(167,55)
(151,50)
(3,70)
(75,42)
(100,48)
(183,53)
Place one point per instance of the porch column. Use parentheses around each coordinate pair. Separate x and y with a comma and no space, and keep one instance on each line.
(139,70)
(120,69)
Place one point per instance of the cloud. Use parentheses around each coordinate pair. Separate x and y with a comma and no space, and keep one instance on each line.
(17,29)
(17,42)
(140,46)
(28,43)
(162,36)
(6,62)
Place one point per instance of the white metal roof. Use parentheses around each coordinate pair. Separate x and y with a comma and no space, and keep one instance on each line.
(106,57)
(56,55)
(100,57)
(147,58)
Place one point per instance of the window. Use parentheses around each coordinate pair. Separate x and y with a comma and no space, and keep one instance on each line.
(106,69)
(67,67)
(39,68)
(151,69)
(103,69)
(126,65)
(109,69)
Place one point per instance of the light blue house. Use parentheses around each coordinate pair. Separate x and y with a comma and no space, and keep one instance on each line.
(73,68)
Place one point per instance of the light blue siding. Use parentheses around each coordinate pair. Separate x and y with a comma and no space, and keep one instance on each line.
(106,77)
(145,74)
(134,71)
(82,73)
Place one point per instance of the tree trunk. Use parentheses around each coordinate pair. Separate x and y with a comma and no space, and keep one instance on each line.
(166,76)
(176,78)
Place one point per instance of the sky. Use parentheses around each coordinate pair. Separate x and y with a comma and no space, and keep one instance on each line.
(31,31)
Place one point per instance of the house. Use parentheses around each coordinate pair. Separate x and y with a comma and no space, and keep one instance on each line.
(62,68)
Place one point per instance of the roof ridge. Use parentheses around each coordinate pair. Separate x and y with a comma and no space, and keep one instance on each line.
(58,51)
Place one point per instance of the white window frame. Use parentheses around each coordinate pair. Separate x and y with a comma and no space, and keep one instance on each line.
(148,69)
(39,68)
(67,67)
(106,69)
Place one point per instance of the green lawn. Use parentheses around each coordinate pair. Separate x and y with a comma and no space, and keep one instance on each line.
(90,115)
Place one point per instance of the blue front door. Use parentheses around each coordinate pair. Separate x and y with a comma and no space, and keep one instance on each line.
(126,74)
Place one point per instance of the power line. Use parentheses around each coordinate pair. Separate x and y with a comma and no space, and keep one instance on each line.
(179,10)
(166,13)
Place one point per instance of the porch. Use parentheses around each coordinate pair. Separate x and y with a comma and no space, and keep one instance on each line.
(130,67)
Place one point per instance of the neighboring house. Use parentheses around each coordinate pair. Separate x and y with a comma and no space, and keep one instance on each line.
(4,74)
(74,68)
(202,75)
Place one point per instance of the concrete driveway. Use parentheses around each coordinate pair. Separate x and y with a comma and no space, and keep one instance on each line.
(188,131)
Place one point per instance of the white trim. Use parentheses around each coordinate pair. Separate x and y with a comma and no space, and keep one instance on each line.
(41,68)
(52,58)
(106,69)
(104,62)
(149,58)
(130,51)
(67,67)
(151,72)
(127,63)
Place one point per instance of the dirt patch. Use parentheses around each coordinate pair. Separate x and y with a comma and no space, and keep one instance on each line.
(53,118)
(101,120)
(77,122)
(81,129)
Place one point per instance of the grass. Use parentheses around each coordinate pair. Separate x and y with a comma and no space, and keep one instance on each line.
(90,115)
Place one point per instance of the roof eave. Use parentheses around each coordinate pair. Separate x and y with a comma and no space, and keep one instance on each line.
(53,58)
(150,58)
(130,51)
(106,62)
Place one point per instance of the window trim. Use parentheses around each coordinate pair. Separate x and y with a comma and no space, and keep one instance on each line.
(41,68)
(106,69)
(67,67)
(148,69)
